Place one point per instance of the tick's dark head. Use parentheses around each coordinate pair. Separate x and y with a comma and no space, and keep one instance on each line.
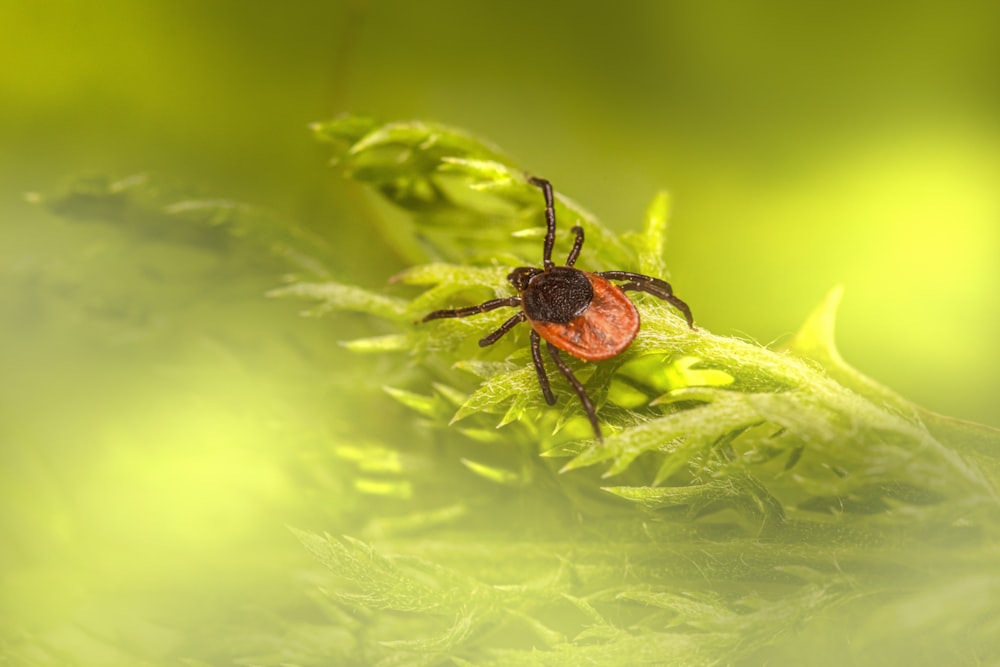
(521,276)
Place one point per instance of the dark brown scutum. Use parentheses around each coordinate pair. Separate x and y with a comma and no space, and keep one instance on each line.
(558,295)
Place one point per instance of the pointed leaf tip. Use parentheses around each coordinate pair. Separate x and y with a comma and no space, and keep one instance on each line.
(816,338)
(654,235)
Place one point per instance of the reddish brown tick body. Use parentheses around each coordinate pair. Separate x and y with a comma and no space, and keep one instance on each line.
(605,328)
(582,313)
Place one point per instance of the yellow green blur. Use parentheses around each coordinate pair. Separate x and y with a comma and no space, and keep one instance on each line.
(162,423)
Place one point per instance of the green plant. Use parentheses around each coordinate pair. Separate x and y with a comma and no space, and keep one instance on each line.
(748,498)
(749,505)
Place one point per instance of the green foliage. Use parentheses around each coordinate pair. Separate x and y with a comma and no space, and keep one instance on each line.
(768,495)
(159,211)
(749,506)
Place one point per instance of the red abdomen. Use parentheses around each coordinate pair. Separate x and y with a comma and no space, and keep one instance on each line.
(605,329)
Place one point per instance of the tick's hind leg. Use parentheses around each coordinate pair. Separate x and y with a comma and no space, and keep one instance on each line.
(487,306)
(578,388)
(658,288)
(543,378)
(504,328)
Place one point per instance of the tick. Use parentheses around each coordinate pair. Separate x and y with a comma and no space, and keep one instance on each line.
(581,313)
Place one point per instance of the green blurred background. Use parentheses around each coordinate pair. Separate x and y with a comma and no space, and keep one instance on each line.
(158,417)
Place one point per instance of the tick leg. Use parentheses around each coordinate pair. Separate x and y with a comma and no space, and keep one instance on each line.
(504,328)
(578,388)
(550,219)
(577,244)
(543,379)
(658,288)
(473,310)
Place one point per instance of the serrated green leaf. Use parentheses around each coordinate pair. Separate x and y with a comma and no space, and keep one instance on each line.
(485,369)
(431,138)
(496,392)
(515,411)
(565,449)
(659,497)
(485,175)
(680,435)
(741,493)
